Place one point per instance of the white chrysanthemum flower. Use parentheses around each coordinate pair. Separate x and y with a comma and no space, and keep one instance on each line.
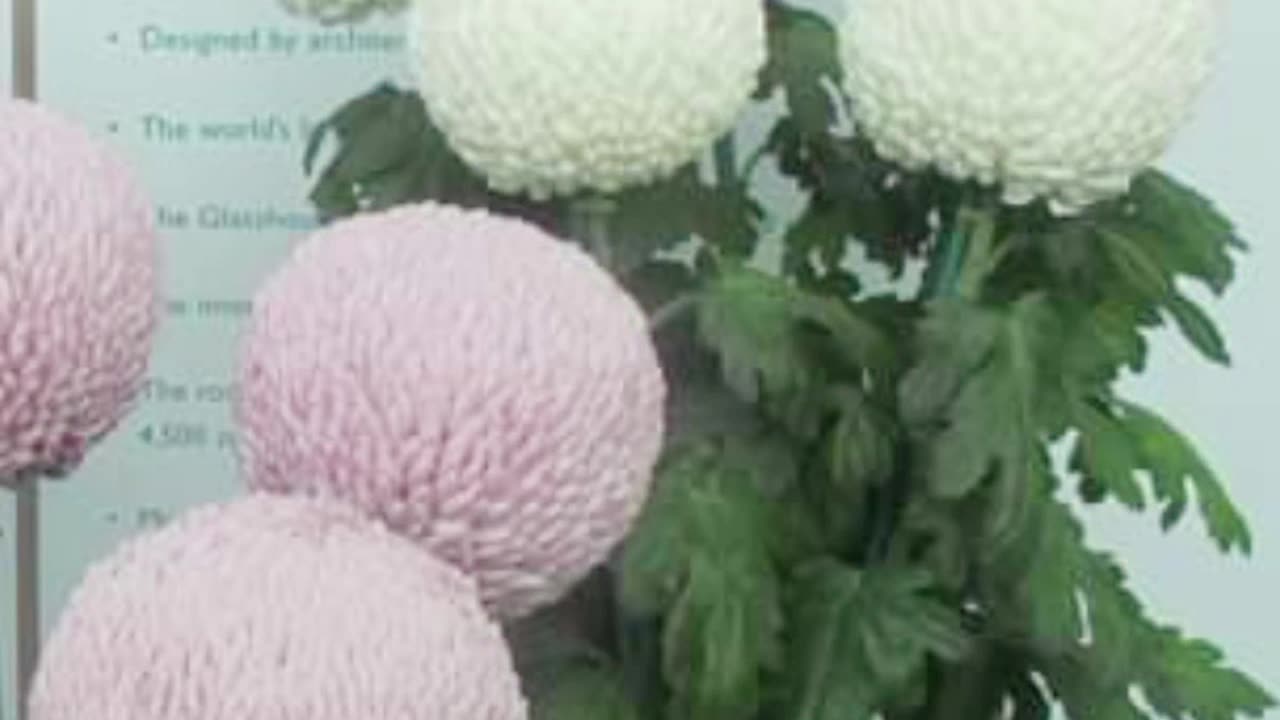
(1059,99)
(550,97)
(340,11)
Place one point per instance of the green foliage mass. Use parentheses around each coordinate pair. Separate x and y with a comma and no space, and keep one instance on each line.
(859,514)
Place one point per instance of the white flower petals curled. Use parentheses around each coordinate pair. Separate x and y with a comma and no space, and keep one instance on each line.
(1060,99)
(551,97)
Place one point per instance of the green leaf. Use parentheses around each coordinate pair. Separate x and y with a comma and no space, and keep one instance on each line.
(992,682)
(1174,464)
(388,153)
(377,144)
(376,162)
(446,178)
(816,244)
(861,445)
(1070,607)
(1199,328)
(585,692)
(984,427)
(860,341)
(748,318)
(728,218)
(1084,701)
(703,411)
(1033,587)
(802,57)
(1196,236)
(650,219)
(859,638)
(1144,263)
(763,331)
(1115,617)
(1178,677)
(953,341)
(702,555)
(1105,452)
(1186,678)
(1050,592)
(719,636)
(1066,248)
(937,537)
(660,216)
(1130,257)
(1160,233)
(985,366)
(1102,340)
(351,118)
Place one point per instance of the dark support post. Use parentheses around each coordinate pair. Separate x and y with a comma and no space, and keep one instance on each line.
(27,544)
(27,491)
(24,48)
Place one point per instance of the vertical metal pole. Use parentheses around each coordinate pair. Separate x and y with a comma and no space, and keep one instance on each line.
(27,525)
(27,544)
(24,48)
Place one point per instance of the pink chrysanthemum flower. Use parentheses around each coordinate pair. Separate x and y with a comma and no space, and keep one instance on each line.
(78,294)
(270,608)
(483,388)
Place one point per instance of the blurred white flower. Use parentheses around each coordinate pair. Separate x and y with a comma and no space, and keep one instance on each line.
(1060,99)
(550,97)
(339,11)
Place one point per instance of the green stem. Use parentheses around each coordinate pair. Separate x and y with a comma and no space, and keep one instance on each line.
(726,161)
(946,264)
(640,649)
(965,255)
(888,507)
(979,225)
(27,563)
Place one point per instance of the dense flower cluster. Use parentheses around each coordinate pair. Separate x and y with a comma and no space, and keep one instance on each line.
(270,608)
(550,97)
(340,11)
(481,387)
(1060,99)
(78,290)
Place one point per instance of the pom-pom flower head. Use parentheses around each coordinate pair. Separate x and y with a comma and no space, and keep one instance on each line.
(270,608)
(78,294)
(557,96)
(342,11)
(481,387)
(1060,99)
